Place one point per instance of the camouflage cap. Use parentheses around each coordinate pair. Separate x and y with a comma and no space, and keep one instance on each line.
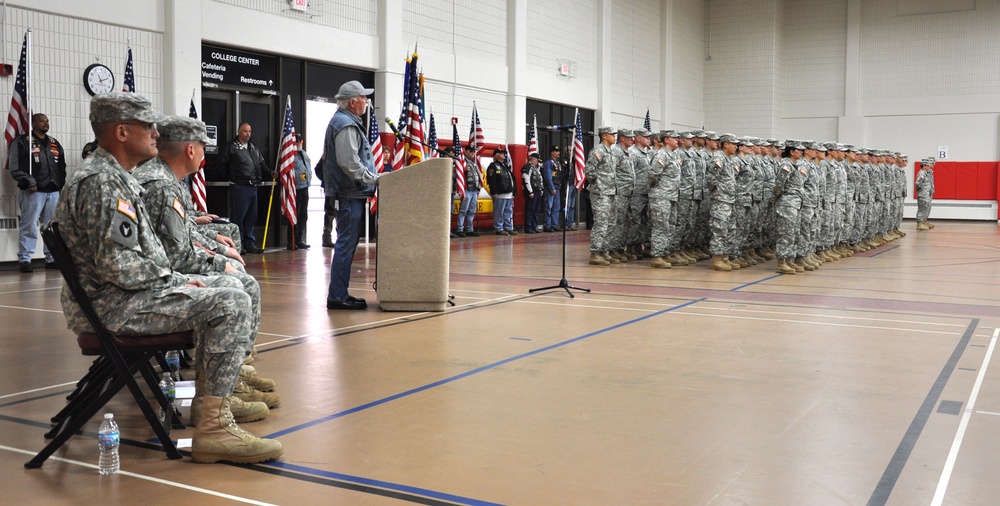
(699,133)
(928,162)
(830,146)
(670,133)
(771,141)
(625,132)
(656,136)
(605,130)
(730,138)
(686,135)
(794,144)
(182,129)
(710,135)
(642,132)
(744,140)
(122,106)
(818,146)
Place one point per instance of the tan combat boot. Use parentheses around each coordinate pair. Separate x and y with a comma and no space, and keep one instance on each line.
(218,438)
(784,268)
(597,259)
(660,263)
(610,258)
(928,224)
(250,394)
(249,375)
(677,259)
(719,264)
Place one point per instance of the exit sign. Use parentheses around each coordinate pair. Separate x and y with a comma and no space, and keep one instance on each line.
(299,5)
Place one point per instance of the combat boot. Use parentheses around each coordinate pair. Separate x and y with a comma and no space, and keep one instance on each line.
(250,394)
(689,256)
(797,264)
(676,259)
(249,375)
(618,255)
(733,263)
(597,259)
(922,225)
(744,263)
(218,438)
(610,258)
(784,268)
(719,264)
(929,224)
(703,253)
(660,263)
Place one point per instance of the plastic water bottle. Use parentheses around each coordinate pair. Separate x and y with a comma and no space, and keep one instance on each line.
(169,389)
(173,359)
(108,439)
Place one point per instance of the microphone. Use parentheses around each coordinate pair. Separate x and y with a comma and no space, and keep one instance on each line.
(392,125)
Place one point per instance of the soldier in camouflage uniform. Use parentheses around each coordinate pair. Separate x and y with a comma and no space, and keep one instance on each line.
(664,186)
(687,206)
(125,270)
(638,212)
(925,192)
(743,210)
(181,149)
(600,174)
(787,191)
(721,179)
(624,187)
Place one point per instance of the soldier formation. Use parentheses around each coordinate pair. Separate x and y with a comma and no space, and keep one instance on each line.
(681,197)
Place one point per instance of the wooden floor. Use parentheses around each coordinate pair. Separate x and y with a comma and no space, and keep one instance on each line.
(868,381)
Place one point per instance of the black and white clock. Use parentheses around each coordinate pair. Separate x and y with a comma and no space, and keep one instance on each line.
(98,78)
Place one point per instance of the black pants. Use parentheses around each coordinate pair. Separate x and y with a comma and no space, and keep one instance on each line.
(301,216)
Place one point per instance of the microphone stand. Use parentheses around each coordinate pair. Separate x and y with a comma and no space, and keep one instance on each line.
(562,219)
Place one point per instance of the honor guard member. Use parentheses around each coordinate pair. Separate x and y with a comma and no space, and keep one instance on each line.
(600,174)
(552,177)
(925,192)
(40,172)
(125,270)
(473,182)
(181,147)
(531,176)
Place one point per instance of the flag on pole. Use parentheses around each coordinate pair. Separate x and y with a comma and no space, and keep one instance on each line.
(399,151)
(286,165)
(459,159)
(432,139)
(478,142)
(198,178)
(648,125)
(19,117)
(129,85)
(375,140)
(414,127)
(579,158)
(533,137)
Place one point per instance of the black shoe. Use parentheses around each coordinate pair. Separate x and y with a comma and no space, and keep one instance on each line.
(252,249)
(302,245)
(501,232)
(454,235)
(358,299)
(327,243)
(25,267)
(348,303)
(460,234)
(547,230)
(52,266)
(472,233)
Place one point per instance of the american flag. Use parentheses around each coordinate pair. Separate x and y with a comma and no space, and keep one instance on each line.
(375,139)
(648,125)
(19,117)
(415,127)
(286,165)
(459,159)
(129,74)
(432,138)
(198,179)
(478,142)
(533,137)
(579,158)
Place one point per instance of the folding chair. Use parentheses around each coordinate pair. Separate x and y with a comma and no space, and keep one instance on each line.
(118,359)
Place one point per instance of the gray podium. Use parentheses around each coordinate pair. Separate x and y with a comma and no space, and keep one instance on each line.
(414,220)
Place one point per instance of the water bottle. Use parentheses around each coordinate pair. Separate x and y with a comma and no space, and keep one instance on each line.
(108,439)
(169,390)
(173,359)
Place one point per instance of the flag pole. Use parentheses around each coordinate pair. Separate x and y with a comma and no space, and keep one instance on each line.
(28,94)
(274,178)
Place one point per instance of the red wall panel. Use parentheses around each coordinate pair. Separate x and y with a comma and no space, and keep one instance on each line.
(987,175)
(944,180)
(966,180)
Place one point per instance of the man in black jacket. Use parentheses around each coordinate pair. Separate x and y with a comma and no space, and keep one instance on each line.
(40,173)
(500,179)
(246,169)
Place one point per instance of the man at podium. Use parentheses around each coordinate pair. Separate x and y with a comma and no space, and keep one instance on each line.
(350,176)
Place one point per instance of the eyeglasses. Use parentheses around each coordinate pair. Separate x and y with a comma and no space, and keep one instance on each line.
(147,126)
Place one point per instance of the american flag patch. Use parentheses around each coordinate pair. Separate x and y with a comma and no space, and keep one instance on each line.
(178,207)
(126,209)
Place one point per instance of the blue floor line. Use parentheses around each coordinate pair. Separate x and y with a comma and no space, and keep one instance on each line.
(738,288)
(466,374)
(382,484)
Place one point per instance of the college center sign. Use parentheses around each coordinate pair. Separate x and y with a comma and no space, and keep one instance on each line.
(224,67)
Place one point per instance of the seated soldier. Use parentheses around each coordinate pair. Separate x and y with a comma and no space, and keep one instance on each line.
(125,270)
(181,148)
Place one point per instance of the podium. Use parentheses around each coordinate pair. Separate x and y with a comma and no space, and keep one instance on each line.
(414,222)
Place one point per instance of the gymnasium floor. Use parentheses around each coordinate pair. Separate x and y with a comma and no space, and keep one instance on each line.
(869,381)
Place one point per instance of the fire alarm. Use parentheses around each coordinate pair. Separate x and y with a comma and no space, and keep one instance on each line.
(6,69)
